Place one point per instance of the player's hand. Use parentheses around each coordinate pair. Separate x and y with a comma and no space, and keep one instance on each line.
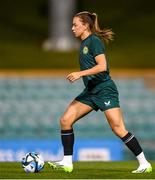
(73,76)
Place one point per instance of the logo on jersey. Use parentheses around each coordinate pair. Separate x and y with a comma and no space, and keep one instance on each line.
(85,50)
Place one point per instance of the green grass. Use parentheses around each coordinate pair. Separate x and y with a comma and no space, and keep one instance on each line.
(82,170)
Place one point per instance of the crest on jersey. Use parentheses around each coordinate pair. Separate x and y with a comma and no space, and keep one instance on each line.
(85,50)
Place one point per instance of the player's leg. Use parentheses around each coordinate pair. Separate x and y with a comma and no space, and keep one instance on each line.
(75,111)
(115,119)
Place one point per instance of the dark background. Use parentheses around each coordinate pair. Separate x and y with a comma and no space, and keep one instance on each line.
(24,28)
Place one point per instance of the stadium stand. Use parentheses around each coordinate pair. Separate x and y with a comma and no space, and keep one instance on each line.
(31,108)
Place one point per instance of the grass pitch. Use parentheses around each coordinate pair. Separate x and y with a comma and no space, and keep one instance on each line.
(82,170)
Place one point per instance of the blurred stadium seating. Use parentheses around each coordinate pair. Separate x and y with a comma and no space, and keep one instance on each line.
(31,108)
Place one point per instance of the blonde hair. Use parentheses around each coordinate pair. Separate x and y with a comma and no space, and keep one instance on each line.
(92,20)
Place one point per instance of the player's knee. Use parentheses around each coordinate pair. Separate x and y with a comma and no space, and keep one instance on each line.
(64,122)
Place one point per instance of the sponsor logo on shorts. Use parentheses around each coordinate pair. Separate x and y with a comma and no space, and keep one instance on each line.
(108,103)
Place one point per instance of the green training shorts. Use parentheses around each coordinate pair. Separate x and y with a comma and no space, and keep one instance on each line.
(103,96)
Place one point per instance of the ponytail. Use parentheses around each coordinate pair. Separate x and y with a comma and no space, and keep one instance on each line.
(105,34)
(92,20)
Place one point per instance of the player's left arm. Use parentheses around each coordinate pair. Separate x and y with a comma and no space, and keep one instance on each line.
(100,67)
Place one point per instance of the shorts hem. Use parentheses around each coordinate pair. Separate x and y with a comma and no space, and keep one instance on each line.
(84,102)
(111,107)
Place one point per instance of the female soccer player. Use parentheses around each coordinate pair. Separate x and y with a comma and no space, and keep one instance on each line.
(100,92)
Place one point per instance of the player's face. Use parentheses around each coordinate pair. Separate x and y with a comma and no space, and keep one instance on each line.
(78,27)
